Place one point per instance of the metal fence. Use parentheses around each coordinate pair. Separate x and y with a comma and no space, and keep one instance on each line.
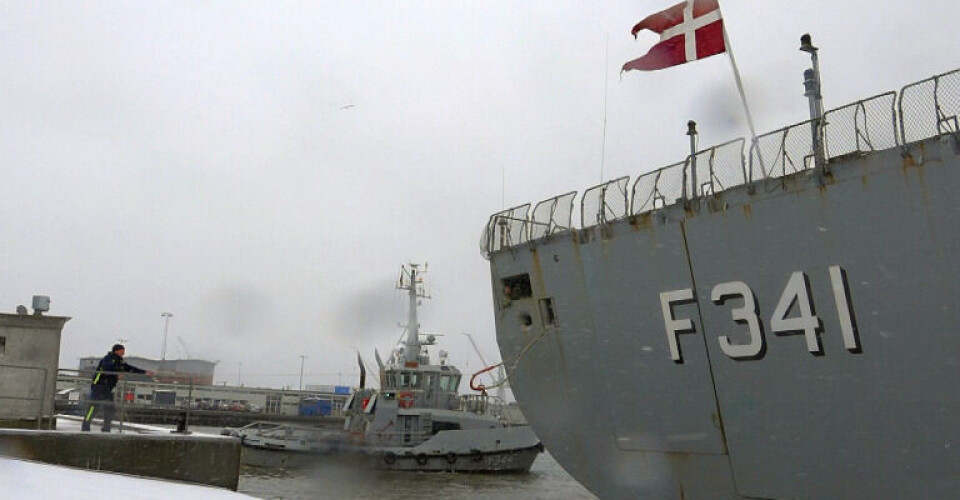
(658,189)
(717,168)
(552,215)
(505,229)
(928,108)
(138,398)
(861,127)
(782,152)
(604,202)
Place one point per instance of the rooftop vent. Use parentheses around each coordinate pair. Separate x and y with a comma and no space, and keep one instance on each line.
(41,304)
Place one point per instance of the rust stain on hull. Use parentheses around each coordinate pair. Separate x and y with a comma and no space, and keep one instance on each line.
(642,221)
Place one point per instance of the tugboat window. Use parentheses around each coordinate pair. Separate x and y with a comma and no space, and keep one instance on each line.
(408,423)
(444,426)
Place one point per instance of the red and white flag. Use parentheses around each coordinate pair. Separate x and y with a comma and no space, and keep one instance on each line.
(688,31)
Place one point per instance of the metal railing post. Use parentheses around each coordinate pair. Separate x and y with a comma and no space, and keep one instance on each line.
(812,89)
(692,133)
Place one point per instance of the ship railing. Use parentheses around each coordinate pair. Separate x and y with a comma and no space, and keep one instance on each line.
(921,110)
(657,189)
(717,168)
(861,127)
(506,228)
(857,128)
(604,202)
(929,108)
(783,152)
(474,403)
(552,215)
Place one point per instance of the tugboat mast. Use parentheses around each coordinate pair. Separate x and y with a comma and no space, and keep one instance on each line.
(413,284)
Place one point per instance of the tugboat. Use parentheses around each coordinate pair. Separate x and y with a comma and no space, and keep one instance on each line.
(418,422)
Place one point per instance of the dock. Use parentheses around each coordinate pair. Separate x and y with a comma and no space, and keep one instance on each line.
(192,458)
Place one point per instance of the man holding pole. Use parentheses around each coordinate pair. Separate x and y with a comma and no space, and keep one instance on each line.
(101,390)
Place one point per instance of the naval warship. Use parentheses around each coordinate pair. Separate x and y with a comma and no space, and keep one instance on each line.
(768,319)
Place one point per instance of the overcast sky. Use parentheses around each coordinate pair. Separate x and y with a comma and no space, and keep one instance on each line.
(262,169)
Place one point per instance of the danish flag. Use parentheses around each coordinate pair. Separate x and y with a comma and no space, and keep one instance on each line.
(690,30)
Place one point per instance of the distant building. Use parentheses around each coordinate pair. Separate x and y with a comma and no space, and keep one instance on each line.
(170,371)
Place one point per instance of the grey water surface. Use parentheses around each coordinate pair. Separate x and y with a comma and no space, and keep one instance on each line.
(330,478)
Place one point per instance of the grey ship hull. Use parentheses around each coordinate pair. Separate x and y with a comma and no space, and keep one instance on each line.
(845,389)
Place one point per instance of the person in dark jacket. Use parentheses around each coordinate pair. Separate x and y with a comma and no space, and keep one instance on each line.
(104,380)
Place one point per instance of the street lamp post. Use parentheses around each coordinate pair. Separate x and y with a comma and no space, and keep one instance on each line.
(166,324)
(302,357)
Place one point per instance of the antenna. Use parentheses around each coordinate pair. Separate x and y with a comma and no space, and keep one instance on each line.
(503,185)
(606,78)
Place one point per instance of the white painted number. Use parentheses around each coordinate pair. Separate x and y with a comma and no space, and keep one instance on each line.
(746,314)
(844,311)
(807,322)
(795,313)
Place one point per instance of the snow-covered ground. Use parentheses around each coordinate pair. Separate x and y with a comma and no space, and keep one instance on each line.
(70,423)
(23,479)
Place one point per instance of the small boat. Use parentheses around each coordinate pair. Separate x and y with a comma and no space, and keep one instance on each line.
(283,445)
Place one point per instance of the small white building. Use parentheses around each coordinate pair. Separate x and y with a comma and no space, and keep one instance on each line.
(29,358)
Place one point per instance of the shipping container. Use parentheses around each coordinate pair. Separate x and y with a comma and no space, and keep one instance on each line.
(315,407)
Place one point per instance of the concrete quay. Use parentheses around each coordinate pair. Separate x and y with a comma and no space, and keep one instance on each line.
(201,459)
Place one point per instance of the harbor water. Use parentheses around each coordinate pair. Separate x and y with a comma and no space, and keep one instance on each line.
(332,479)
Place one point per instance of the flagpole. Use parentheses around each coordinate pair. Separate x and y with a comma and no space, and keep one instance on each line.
(743,99)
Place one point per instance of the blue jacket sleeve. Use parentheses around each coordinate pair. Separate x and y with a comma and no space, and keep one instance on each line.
(132,369)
